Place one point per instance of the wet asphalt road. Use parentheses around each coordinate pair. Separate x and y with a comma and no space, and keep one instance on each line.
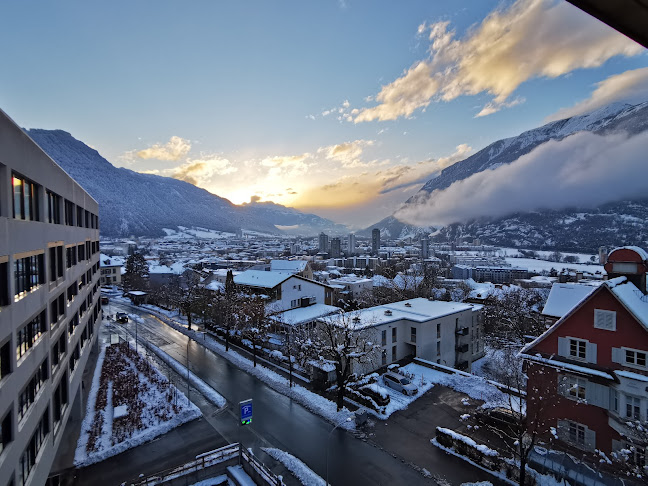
(283,424)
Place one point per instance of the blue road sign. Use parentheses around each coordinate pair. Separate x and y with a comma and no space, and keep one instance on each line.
(246,411)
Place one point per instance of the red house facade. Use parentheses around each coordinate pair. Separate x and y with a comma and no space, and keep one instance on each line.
(591,366)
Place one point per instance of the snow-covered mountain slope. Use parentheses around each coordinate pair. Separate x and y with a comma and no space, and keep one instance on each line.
(131,203)
(543,228)
(293,221)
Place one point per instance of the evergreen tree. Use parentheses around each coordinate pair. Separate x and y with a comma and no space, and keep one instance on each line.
(137,273)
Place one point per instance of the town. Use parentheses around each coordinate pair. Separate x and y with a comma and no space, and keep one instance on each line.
(258,302)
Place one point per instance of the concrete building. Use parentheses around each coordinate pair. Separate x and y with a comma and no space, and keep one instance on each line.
(336,248)
(351,244)
(323,243)
(425,247)
(49,303)
(352,286)
(375,241)
(110,270)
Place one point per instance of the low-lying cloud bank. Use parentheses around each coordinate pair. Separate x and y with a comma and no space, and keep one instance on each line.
(582,170)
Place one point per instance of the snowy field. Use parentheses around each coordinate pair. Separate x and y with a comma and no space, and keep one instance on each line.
(129,403)
(543,265)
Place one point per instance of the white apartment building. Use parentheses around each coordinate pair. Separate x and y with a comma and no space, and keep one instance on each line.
(110,269)
(352,286)
(49,303)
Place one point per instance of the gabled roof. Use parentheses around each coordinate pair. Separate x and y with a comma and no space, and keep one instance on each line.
(635,302)
(260,278)
(564,297)
(288,265)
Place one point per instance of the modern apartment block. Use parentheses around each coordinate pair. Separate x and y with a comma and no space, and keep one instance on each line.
(49,303)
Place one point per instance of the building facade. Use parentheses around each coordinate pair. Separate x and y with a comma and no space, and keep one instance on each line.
(49,303)
(110,270)
(336,248)
(592,366)
(351,244)
(323,243)
(375,241)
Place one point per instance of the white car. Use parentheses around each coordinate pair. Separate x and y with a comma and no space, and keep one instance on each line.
(399,383)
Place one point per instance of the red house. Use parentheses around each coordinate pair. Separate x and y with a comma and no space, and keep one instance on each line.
(591,366)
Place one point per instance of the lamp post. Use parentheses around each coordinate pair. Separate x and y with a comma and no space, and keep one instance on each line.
(328,442)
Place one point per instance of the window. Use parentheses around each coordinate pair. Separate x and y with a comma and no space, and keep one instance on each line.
(29,274)
(71,292)
(56,263)
(574,387)
(384,357)
(81,250)
(4,283)
(604,319)
(79,216)
(74,357)
(633,407)
(59,400)
(576,433)
(393,353)
(636,358)
(384,337)
(438,348)
(71,256)
(58,351)
(57,309)
(28,457)
(28,334)
(53,208)
(87,218)
(69,213)
(25,198)
(393,334)
(438,331)
(577,348)
(637,454)
(5,359)
(28,395)
(413,335)
(6,431)
(74,322)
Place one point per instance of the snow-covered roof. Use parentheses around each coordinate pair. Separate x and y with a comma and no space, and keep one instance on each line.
(106,261)
(138,293)
(349,279)
(175,268)
(631,297)
(216,286)
(564,297)
(570,366)
(301,315)
(294,266)
(414,310)
(642,253)
(260,278)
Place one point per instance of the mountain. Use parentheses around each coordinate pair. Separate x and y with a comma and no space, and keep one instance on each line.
(131,203)
(293,221)
(572,228)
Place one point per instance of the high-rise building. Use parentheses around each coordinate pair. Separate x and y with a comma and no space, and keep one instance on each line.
(425,247)
(375,241)
(351,244)
(49,303)
(323,242)
(336,248)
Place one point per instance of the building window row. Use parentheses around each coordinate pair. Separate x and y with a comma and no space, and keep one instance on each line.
(28,395)
(77,216)
(28,334)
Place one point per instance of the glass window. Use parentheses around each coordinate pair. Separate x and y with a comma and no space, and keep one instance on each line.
(577,348)
(28,274)
(576,433)
(393,334)
(25,198)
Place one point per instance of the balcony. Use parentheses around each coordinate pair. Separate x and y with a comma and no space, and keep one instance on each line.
(462,331)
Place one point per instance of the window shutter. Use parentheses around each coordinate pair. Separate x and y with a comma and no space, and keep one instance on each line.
(590,439)
(563,347)
(617,355)
(590,353)
(597,395)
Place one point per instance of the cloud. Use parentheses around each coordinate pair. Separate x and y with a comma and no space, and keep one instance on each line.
(175,149)
(573,172)
(348,153)
(287,164)
(630,86)
(255,199)
(529,39)
(200,171)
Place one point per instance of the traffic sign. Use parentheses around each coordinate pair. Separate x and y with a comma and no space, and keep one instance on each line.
(246,411)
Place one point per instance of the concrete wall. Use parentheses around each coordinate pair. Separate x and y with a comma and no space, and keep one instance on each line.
(18,153)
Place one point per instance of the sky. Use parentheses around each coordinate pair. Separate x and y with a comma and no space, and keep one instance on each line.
(342,108)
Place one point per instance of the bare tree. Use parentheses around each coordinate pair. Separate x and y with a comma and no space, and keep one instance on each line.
(187,293)
(253,323)
(342,341)
(513,315)
(632,460)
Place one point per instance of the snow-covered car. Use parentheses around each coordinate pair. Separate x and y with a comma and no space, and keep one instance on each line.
(121,317)
(399,383)
(377,393)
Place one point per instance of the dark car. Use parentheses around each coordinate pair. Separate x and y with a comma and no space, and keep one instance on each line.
(104,300)
(121,317)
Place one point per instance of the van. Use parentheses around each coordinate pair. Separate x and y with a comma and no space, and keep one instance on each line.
(399,383)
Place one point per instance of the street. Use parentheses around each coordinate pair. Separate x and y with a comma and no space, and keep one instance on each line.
(283,424)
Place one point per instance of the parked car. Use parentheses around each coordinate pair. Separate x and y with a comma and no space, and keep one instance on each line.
(376,393)
(121,317)
(400,383)
(104,300)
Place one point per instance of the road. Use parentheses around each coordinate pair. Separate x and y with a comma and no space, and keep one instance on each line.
(281,423)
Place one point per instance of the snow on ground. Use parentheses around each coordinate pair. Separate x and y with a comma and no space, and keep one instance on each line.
(534,265)
(312,401)
(154,406)
(209,393)
(482,366)
(222,479)
(295,466)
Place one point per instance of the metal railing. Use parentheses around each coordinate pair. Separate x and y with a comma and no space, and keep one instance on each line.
(260,469)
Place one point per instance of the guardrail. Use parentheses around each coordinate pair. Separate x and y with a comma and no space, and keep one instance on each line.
(258,469)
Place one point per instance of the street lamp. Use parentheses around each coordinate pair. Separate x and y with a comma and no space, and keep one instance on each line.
(328,441)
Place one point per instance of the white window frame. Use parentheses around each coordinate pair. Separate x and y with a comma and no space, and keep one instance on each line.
(575,388)
(576,428)
(578,342)
(634,364)
(635,403)
(601,315)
